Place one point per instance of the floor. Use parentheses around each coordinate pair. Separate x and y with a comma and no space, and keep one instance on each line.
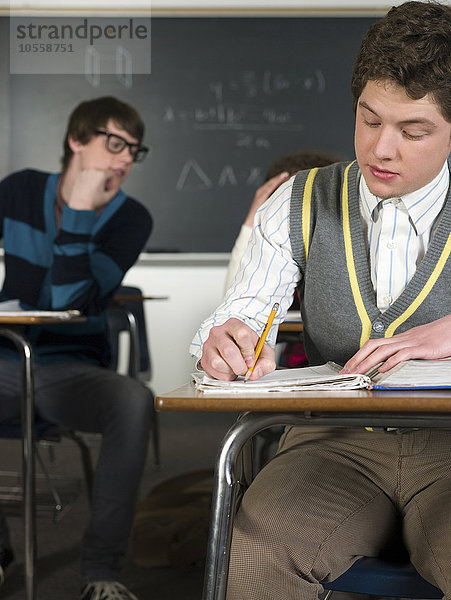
(189,443)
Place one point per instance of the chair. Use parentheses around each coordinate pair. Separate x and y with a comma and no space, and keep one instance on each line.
(47,434)
(27,428)
(127,314)
(235,469)
(124,315)
(379,577)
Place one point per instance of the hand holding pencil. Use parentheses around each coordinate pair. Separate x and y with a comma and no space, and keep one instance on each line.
(262,339)
(229,351)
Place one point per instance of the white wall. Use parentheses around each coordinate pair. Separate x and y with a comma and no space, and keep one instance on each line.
(156,6)
(194,284)
(5,131)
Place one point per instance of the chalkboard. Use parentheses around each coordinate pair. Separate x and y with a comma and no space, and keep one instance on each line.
(226,96)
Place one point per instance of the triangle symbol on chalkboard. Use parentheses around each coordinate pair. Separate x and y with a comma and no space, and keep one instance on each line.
(192,177)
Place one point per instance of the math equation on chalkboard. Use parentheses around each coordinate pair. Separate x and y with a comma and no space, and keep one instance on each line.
(227,111)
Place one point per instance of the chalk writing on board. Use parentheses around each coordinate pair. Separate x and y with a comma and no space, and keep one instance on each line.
(227,111)
(231,118)
(246,106)
(245,140)
(193,177)
(251,83)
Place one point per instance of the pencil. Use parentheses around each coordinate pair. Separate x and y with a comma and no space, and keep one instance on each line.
(262,339)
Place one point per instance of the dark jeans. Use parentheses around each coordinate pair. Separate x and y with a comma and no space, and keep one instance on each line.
(97,400)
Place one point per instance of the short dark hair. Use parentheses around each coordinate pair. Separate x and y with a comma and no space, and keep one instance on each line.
(299,160)
(410,46)
(92,114)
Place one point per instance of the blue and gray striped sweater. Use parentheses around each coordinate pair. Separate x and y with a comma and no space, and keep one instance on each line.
(78,267)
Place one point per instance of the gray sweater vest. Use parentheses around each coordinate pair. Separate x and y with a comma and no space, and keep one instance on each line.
(338,302)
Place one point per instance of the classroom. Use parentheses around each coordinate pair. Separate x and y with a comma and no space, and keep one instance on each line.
(223,88)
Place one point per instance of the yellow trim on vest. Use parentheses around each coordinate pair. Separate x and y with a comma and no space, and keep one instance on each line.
(424,292)
(306,205)
(365,320)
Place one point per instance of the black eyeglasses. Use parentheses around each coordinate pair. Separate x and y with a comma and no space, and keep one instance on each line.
(115,144)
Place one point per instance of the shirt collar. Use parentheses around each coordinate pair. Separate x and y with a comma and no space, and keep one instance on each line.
(423,205)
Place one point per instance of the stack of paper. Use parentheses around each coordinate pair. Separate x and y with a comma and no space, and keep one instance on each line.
(415,374)
(412,374)
(323,377)
(12,308)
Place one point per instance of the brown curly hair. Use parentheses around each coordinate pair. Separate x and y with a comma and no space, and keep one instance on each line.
(410,46)
(299,160)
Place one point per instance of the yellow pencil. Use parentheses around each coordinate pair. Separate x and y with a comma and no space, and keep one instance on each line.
(262,339)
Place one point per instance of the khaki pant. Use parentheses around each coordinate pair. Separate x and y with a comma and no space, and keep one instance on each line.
(332,495)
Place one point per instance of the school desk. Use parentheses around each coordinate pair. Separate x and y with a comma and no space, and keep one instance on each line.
(11,327)
(357,408)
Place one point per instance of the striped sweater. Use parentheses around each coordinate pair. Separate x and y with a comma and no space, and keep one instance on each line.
(78,267)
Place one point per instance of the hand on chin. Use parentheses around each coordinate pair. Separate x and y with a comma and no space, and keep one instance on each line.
(112,183)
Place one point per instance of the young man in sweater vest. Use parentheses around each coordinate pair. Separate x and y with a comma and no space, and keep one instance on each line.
(368,243)
(69,239)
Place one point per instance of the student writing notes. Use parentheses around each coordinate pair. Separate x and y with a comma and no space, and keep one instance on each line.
(368,243)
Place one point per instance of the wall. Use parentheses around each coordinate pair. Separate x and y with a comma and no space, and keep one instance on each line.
(192,6)
(194,285)
(5,131)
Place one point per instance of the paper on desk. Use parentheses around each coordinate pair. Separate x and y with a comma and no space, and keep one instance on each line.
(323,377)
(420,374)
(293,316)
(12,308)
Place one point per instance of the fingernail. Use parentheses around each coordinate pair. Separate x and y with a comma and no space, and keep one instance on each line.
(249,360)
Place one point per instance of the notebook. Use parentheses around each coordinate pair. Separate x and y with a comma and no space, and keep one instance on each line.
(413,374)
(12,308)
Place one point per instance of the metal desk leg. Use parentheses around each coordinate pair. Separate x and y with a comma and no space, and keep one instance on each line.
(225,496)
(28,458)
(227,476)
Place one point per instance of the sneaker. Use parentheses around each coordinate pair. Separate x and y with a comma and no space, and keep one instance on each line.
(6,558)
(106,590)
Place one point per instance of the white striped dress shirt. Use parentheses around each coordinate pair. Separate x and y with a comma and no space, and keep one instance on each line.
(398,232)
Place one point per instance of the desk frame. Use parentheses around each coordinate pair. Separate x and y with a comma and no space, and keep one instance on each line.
(231,475)
(358,408)
(28,456)
(10,329)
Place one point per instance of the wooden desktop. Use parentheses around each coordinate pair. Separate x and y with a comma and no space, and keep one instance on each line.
(187,398)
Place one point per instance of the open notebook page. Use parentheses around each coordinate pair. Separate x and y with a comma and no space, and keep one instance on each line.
(320,377)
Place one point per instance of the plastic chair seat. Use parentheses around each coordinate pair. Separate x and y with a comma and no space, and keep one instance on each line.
(380,577)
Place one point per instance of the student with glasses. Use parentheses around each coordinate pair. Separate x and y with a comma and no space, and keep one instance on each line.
(69,239)
(116,144)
